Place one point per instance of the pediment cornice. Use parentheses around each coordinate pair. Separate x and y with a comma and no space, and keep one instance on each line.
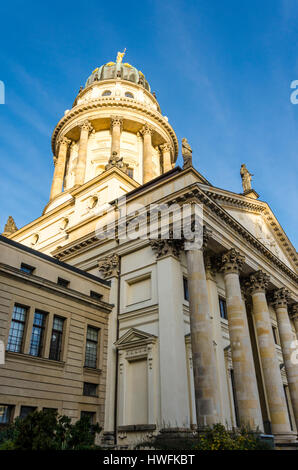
(246,204)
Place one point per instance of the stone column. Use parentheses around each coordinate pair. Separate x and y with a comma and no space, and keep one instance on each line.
(109,269)
(60,162)
(116,129)
(210,267)
(270,364)
(242,358)
(86,129)
(166,157)
(280,300)
(203,354)
(294,316)
(147,131)
(174,405)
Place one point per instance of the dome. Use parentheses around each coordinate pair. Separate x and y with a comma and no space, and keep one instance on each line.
(113,70)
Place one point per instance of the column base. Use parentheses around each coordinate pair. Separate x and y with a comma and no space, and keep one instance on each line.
(285,438)
(108,439)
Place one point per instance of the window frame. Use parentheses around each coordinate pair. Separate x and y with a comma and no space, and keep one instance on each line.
(27,268)
(96,343)
(185,289)
(17,321)
(131,170)
(42,328)
(33,408)
(63,282)
(85,389)
(61,335)
(222,301)
(10,409)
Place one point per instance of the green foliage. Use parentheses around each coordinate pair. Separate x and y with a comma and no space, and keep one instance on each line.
(48,431)
(219,438)
(210,438)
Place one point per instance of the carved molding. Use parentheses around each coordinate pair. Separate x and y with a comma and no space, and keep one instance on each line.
(86,126)
(117,121)
(167,247)
(64,141)
(109,266)
(231,262)
(146,130)
(280,297)
(166,147)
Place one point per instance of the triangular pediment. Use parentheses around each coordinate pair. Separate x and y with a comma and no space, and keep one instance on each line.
(134,336)
(257,217)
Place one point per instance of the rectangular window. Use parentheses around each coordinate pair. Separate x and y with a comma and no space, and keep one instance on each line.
(185,289)
(223,308)
(130,172)
(275,334)
(37,333)
(62,282)
(5,414)
(88,414)
(91,347)
(26,268)
(17,327)
(89,389)
(26,410)
(49,410)
(95,295)
(56,339)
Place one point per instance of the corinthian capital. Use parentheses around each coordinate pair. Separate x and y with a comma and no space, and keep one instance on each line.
(258,282)
(116,121)
(231,261)
(64,141)
(166,147)
(86,126)
(280,297)
(109,266)
(166,247)
(146,129)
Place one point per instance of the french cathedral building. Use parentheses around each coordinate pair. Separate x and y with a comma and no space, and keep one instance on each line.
(190,334)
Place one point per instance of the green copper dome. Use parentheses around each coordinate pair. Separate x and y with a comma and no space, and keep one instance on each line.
(113,70)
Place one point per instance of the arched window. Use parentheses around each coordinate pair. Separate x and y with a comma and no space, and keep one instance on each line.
(106,93)
(128,94)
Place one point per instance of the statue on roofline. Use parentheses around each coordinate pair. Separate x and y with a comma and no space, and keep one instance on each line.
(246,178)
(186,154)
(120,56)
(10,227)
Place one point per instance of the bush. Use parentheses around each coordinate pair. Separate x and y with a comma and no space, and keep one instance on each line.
(219,438)
(48,431)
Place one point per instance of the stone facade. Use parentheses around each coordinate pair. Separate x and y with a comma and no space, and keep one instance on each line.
(44,326)
(190,339)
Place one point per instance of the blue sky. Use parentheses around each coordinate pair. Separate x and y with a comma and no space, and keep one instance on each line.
(221,70)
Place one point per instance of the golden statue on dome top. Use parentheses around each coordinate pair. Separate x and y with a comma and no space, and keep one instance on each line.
(120,56)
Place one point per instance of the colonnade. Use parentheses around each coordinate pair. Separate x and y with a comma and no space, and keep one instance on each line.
(246,389)
(116,125)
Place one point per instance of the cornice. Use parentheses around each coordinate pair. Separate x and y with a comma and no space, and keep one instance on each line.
(104,83)
(111,103)
(45,284)
(195,193)
(261,207)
